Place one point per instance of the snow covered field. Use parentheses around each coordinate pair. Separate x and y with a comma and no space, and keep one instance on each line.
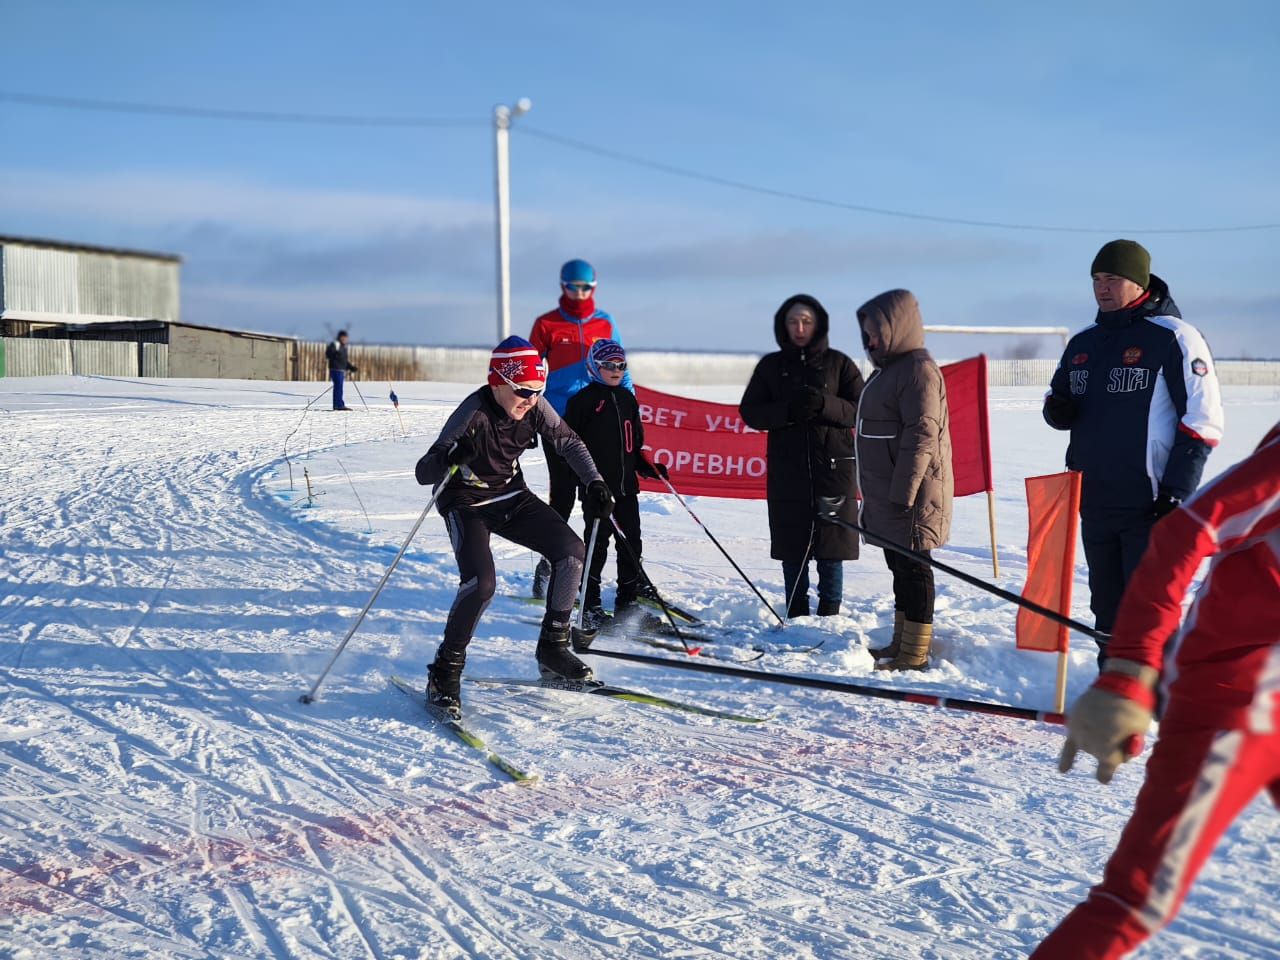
(166,594)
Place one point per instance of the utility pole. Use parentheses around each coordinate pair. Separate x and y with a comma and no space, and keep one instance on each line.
(502,117)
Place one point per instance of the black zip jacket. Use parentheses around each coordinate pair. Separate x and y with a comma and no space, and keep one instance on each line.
(494,472)
(608,421)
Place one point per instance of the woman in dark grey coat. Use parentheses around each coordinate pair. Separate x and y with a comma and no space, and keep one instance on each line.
(806,397)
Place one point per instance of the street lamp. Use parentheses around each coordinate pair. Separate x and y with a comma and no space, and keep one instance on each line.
(502,117)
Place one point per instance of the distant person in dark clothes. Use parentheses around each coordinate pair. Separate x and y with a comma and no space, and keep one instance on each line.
(484,438)
(339,367)
(806,396)
(564,336)
(1138,391)
(606,416)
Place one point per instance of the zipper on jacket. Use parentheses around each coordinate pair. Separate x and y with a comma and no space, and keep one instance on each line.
(857,436)
(622,447)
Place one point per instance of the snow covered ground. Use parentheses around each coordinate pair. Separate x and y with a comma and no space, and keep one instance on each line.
(167,592)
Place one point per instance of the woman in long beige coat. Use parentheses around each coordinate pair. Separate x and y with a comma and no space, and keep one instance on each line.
(904,465)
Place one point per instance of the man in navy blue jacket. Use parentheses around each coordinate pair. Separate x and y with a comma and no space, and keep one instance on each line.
(1139,393)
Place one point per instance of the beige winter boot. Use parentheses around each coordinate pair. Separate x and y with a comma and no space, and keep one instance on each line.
(879,653)
(913,651)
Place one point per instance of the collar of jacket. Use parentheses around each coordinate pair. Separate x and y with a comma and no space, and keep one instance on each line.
(810,352)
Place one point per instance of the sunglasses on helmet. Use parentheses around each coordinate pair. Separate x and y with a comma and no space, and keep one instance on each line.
(579,286)
(524,393)
(618,365)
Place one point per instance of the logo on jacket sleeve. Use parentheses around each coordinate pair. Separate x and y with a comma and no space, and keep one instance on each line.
(1199,367)
(1079,358)
(1132,356)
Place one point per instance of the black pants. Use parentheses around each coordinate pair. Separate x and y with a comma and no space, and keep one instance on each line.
(912,586)
(1114,542)
(564,483)
(626,510)
(522,519)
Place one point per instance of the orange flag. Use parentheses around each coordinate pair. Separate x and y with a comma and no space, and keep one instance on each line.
(1053,513)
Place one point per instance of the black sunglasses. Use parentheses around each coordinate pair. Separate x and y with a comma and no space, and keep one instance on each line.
(524,393)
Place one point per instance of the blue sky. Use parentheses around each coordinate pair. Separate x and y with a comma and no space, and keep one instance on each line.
(1109,120)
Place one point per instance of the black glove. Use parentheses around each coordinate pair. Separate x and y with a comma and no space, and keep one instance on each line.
(353,368)
(1164,503)
(462,452)
(1060,411)
(651,471)
(597,501)
(804,405)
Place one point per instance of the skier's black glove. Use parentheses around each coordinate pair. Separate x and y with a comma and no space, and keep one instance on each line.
(353,368)
(1163,504)
(651,471)
(462,452)
(597,501)
(1059,411)
(804,405)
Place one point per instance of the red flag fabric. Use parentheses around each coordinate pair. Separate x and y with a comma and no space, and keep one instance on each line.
(1053,513)
(706,446)
(966,383)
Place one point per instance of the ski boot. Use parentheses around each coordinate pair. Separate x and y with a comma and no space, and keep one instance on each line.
(444,684)
(555,660)
(592,619)
(629,617)
(541,577)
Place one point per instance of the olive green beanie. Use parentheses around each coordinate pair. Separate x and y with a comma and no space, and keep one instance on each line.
(1124,258)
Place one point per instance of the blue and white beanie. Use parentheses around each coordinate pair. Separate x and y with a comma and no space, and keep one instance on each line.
(601,351)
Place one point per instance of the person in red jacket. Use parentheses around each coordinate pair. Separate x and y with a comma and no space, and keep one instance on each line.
(564,337)
(1220,731)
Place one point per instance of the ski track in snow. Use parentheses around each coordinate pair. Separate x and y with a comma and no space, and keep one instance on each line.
(165,597)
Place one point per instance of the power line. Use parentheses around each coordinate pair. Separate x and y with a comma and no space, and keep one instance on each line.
(860,208)
(208,113)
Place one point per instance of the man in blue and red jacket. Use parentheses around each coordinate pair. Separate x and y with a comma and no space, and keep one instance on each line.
(1138,391)
(564,337)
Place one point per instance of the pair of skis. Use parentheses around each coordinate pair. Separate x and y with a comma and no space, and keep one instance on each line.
(465,735)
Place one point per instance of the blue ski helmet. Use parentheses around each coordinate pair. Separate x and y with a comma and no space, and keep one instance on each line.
(577,271)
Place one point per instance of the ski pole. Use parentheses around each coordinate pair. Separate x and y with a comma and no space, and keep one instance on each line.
(310,696)
(361,396)
(882,693)
(586,575)
(767,604)
(622,539)
(828,513)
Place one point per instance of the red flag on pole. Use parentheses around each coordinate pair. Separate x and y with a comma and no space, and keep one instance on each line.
(1053,512)
(970,428)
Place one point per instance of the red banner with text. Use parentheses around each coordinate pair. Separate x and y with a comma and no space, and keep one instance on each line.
(706,446)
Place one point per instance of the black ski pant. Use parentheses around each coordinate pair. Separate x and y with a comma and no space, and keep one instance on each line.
(912,586)
(626,510)
(522,519)
(1114,541)
(564,483)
